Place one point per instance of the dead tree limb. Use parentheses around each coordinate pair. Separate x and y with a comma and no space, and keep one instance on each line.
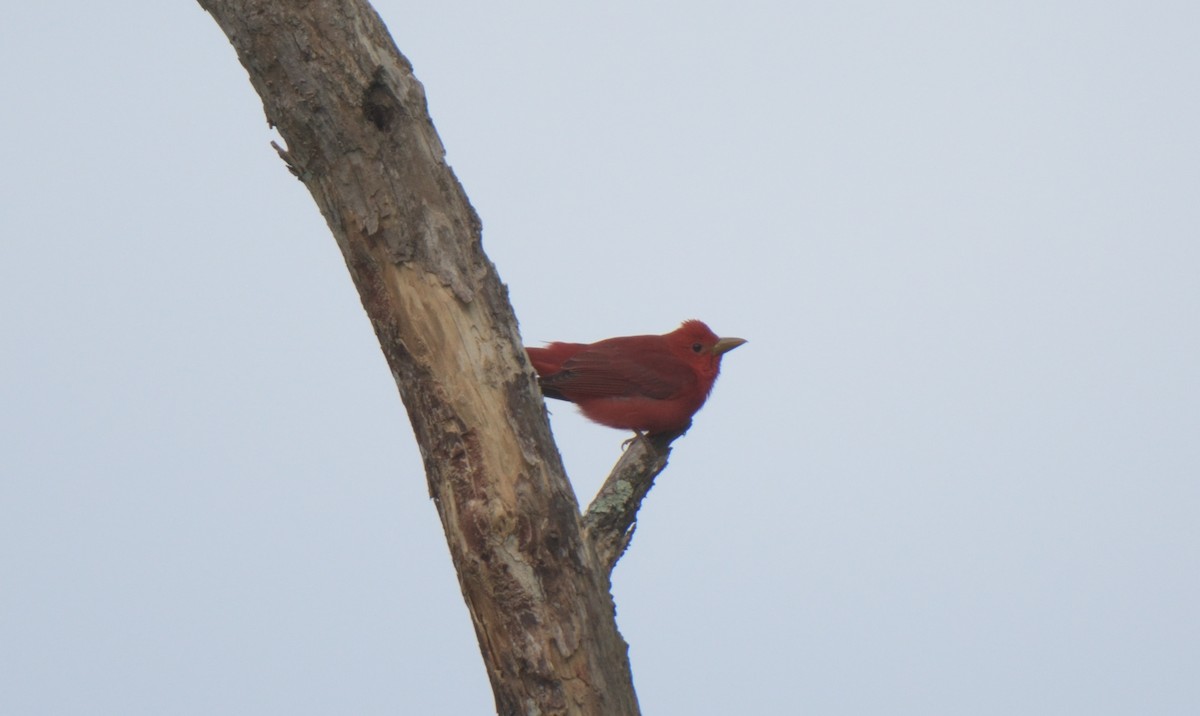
(359,136)
(612,517)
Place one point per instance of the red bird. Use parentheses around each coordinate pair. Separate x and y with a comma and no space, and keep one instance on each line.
(648,384)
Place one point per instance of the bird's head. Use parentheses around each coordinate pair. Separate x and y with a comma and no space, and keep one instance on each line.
(702,347)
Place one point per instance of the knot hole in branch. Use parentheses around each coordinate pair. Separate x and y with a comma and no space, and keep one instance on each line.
(380,104)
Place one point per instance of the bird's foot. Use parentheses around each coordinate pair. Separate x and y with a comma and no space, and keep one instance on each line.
(637,435)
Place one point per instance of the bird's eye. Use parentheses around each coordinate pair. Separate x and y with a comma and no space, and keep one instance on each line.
(696,347)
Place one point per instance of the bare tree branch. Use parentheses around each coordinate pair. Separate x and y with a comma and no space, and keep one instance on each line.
(612,517)
(359,136)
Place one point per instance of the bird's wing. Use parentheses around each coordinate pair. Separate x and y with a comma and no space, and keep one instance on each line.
(612,371)
(548,359)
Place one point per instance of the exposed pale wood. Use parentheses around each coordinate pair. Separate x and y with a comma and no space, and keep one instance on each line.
(359,136)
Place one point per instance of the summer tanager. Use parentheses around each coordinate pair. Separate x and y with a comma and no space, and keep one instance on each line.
(648,384)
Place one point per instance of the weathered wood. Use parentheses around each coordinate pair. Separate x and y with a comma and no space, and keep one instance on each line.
(612,517)
(359,136)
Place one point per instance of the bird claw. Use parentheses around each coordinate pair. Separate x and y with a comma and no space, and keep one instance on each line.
(637,434)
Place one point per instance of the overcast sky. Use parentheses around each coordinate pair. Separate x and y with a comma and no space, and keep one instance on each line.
(956,470)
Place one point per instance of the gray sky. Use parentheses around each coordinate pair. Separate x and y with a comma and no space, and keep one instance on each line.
(955,471)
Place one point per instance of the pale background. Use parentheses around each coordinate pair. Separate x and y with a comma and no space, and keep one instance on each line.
(955,471)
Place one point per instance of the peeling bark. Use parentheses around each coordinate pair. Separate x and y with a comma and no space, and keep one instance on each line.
(359,136)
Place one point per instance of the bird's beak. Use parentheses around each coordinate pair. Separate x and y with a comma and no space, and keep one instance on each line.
(724,345)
